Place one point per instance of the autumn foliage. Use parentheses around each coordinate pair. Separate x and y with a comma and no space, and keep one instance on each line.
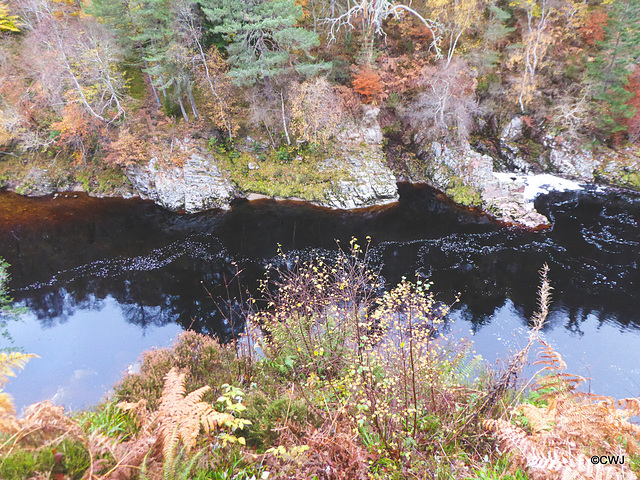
(593,29)
(633,123)
(367,83)
(78,132)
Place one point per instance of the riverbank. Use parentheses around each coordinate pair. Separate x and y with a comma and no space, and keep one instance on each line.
(359,171)
(331,392)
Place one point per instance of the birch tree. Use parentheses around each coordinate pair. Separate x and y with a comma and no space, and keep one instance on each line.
(82,55)
(454,18)
(536,38)
(446,108)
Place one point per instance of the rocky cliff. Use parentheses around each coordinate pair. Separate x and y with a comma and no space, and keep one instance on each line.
(195,186)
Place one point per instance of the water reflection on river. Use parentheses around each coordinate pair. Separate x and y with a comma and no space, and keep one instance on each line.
(106,279)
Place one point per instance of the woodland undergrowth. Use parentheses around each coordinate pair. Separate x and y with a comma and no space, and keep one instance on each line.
(336,377)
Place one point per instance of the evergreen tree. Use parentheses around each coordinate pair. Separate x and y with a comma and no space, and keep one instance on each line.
(496,31)
(263,38)
(609,71)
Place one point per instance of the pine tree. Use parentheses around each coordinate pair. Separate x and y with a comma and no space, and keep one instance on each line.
(262,38)
(496,31)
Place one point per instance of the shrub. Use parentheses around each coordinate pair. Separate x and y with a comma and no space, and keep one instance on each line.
(205,361)
(373,360)
(367,83)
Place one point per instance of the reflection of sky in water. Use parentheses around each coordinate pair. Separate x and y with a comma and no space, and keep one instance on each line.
(602,351)
(82,357)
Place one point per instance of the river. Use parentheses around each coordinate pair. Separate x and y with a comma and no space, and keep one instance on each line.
(105,279)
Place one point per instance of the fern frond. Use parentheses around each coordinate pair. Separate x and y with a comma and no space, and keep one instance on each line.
(468,370)
(543,461)
(194,397)
(630,406)
(538,417)
(556,380)
(548,357)
(180,416)
(212,420)
(49,420)
(138,409)
(8,421)
(10,362)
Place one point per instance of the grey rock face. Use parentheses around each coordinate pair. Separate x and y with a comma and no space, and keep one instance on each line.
(368,180)
(453,166)
(512,131)
(572,162)
(196,186)
(37,183)
(371,131)
(370,183)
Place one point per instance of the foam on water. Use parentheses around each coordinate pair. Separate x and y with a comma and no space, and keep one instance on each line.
(540,184)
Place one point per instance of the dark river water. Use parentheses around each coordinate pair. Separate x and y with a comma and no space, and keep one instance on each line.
(105,279)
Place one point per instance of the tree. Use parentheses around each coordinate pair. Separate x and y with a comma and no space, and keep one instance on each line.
(218,95)
(593,29)
(371,15)
(153,31)
(633,123)
(495,32)
(264,43)
(536,38)
(453,18)
(122,17)
(74,57)
(315,111)
(208,67)
(445,109)
(609,71)
(263,39)
(367,83)
(79,132)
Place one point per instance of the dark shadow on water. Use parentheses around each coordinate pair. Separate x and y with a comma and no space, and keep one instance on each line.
(70,252)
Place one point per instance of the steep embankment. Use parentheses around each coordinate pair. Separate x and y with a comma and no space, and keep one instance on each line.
(500,176)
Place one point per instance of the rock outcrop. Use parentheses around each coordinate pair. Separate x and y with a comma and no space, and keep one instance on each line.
(469,178)
(570,160)
(195,186)
(366,179)
(38,182)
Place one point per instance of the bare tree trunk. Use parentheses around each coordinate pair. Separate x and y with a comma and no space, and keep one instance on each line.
(192,101)
(184,112)
(284,121)
(153,86)
(273,143)
(108,81)
(221,103)
(74,79)
(162,88)
(534,42)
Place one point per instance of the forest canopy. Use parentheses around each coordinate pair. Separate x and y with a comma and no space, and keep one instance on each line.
(109,78)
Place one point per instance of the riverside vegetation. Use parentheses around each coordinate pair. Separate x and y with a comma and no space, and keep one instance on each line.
(334,378)
(90,88)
